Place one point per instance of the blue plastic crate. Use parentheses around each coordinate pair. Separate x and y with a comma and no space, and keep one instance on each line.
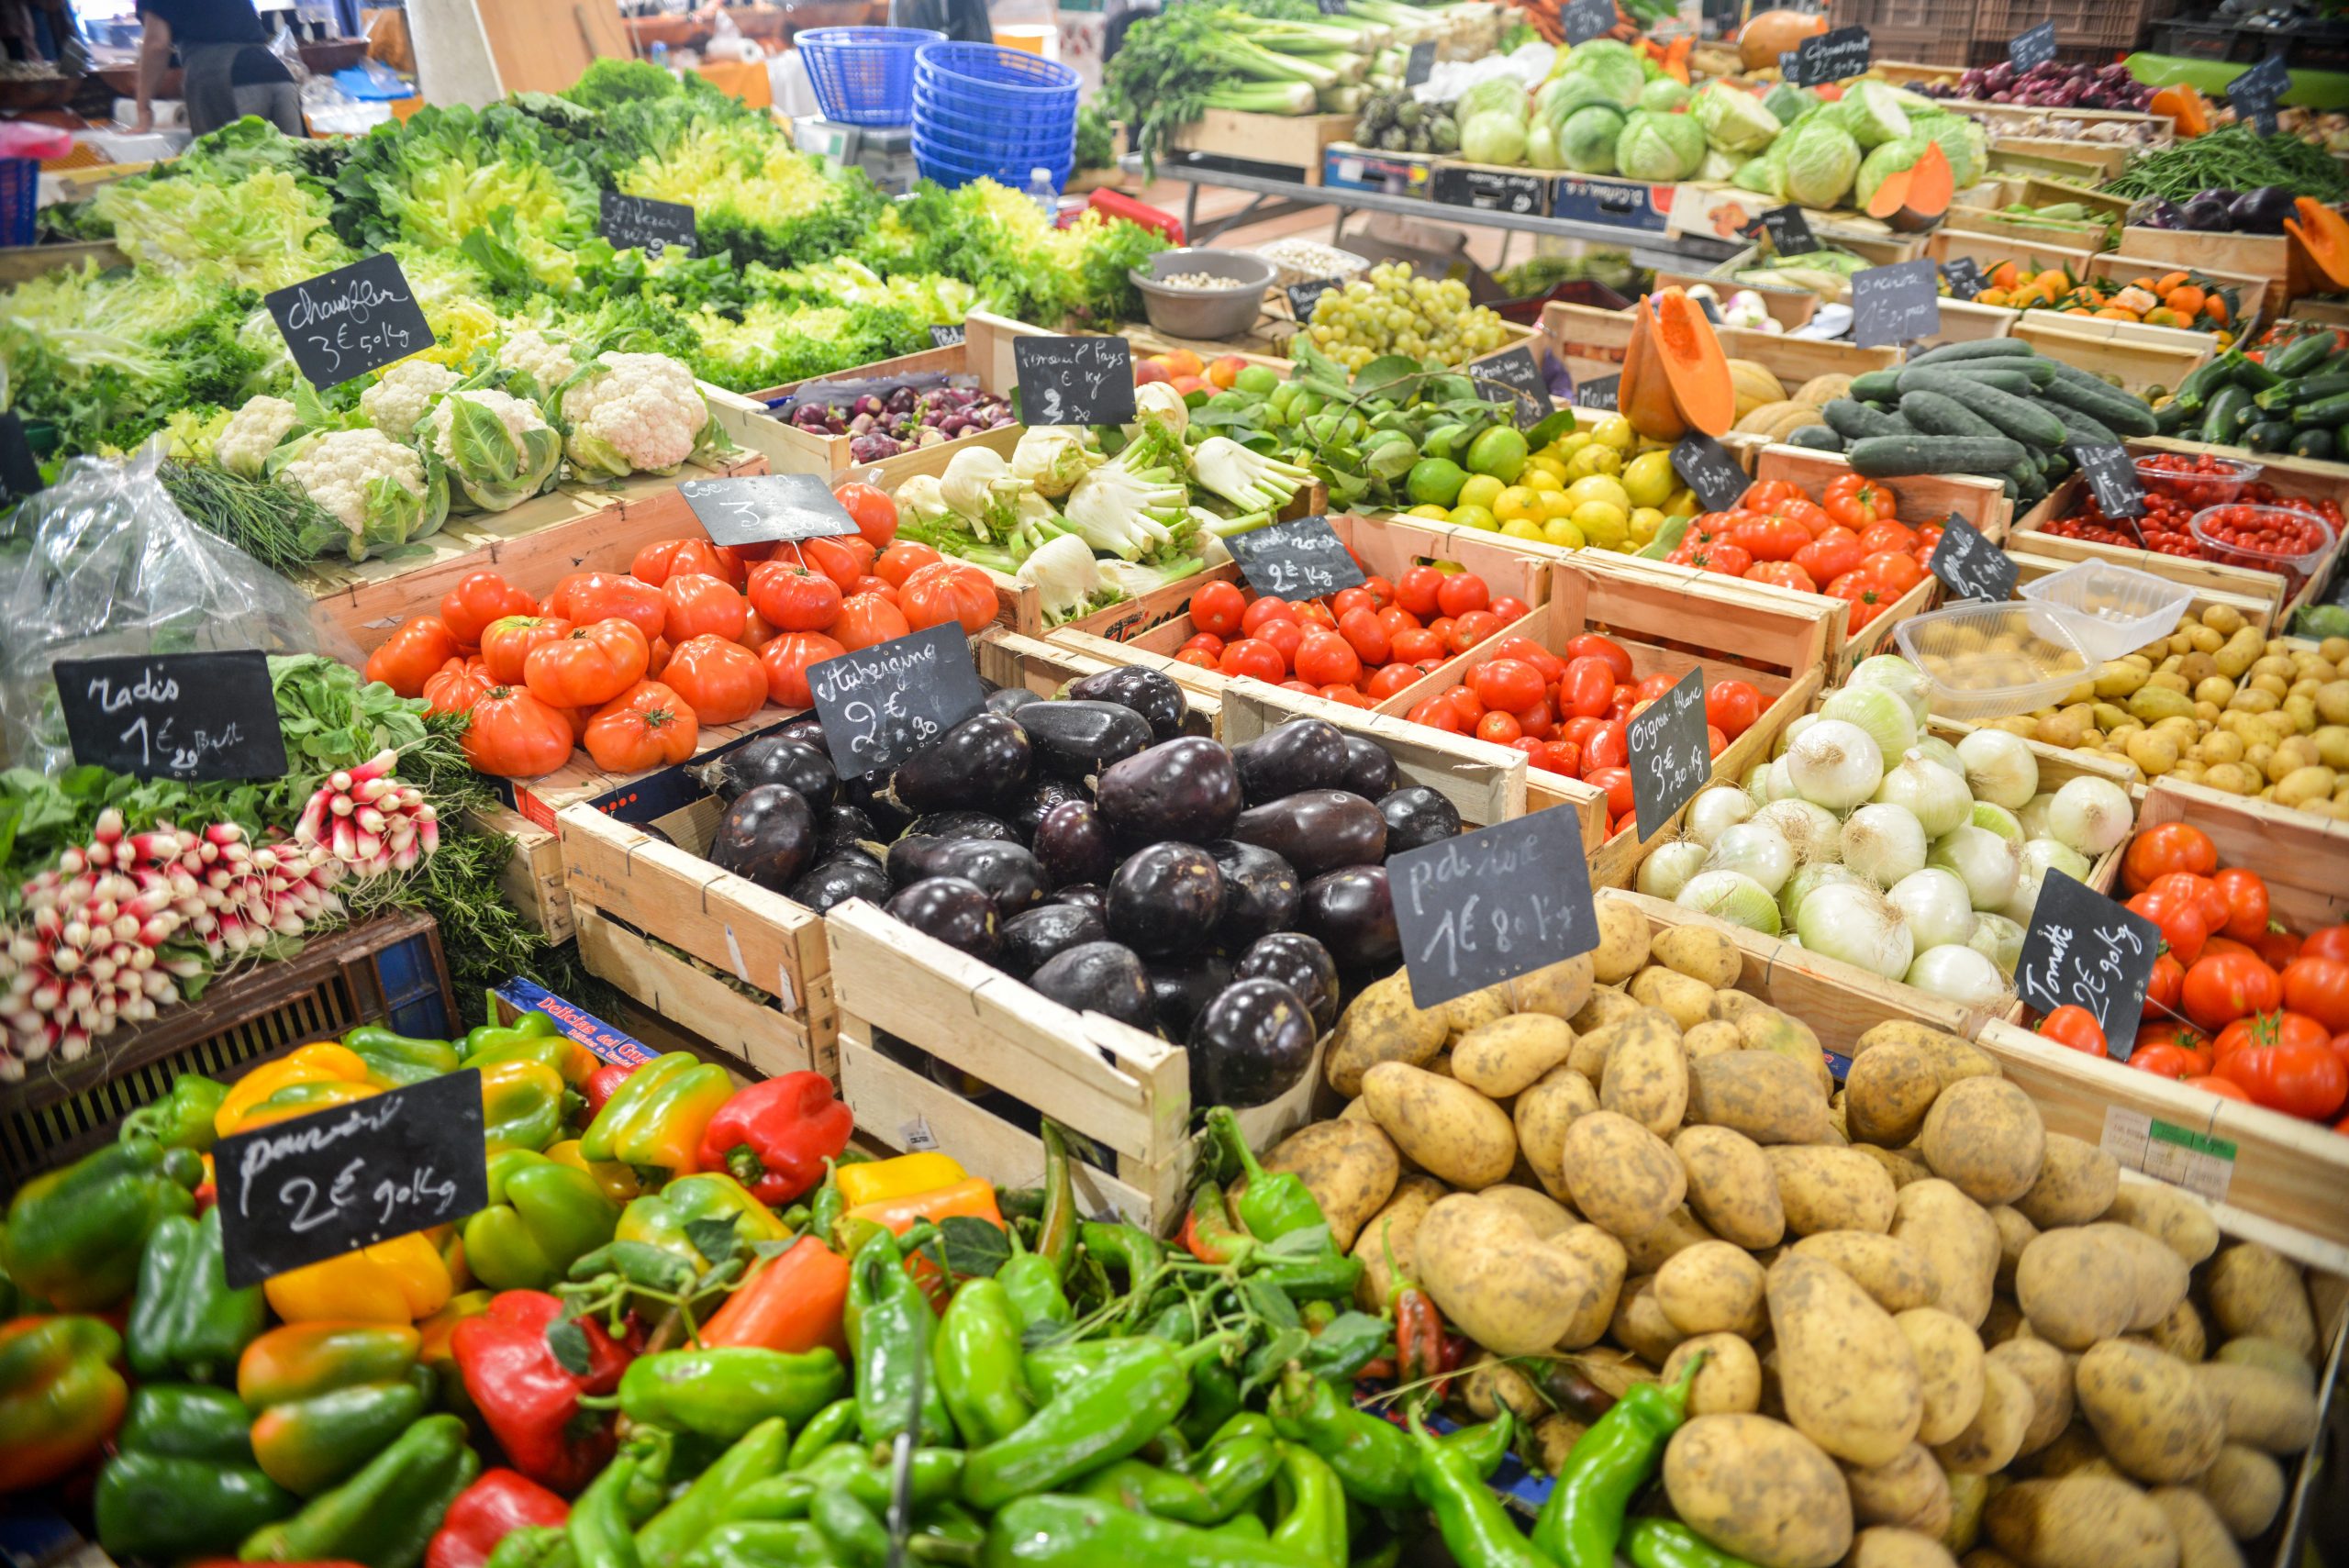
(864,76)
(20,200)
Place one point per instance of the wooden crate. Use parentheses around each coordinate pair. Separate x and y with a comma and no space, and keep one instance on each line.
(532,879)
(1721,211)
(1963,321)
(1593,339)
(1296,141)
(2102,348)
(2250,293)
(1988,252)
(1487,783)
(2273,259)
(2009,228)
(1790,308)
(2095,161)
(1010,660)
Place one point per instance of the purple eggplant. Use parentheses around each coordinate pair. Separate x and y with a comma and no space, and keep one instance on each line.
(1165,899)
(1076,739)
(1085,896)
(1008,873)
(1180,989)
(1028,813)
(767,835)
(835,881)
(1071,844)
(955,912)
(2208,212)
(1098,977)
(1370,770)
(1417,816)
(1305,753)
(1302,964)
(1250,1045)
(1351,913)
(1149,693)
(982,760)
(1261,891)
(1035,937)
(2262,211)
(1185,789)
(1317,830)
(787,759)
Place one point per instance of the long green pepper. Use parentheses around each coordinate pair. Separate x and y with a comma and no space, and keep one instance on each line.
(672,1533)
(1476,1529)
(978,1367)
(1582,1523)
(894,1333)
(1107,1417)
(1663,1543)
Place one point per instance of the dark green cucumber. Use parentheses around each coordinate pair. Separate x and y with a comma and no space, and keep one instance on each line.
(2173,419)
(2018,417)
(1818,438)
(1877,386)
(2301,355)
(1935,414)
(2082,426)
(2226,414)
(2326,412)
(2057,468)
(2318,444)
(1890,457)
(1852,420)
(2037,371)
(2199,386)
(2267,436)
(2250,375)
(1938,378)
(1980,349)
(2109,406)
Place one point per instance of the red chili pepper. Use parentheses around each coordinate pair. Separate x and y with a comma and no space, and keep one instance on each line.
(774,1135)
(530,1400)
(484,1513)
(1419,1336)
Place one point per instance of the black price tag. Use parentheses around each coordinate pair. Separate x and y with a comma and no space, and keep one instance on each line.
(1075,381)
(2257,92)
(1711,469)
(2084,949)
(350,321)
(639,223)
(880,704)
(1788,231)
(2036,47)
(299,1192)
(2112,475)
(1599,394)
(1826,57)
(1484,908)
(195,717)
(1672,753)
(763,509)
(1419,62)
(1971,566)
(1896,304)
(1334,7)
(19,470)
(1299,560)
(1520,378)
(1964,275)
(1489,190)
(945,337)
(1585,20)
(1304,296)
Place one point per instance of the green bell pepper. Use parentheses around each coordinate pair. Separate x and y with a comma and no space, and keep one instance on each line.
(76,1235)
(329,1396)
(395,1061)
(60,1395)
(722,1392)
(655,1119)
(182,1118)
(183,1481)
(384,1516)
(184,1319)
(542,1217)
(678,1218)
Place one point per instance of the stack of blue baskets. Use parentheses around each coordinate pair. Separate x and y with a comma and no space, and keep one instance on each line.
(864,76)
(984,112)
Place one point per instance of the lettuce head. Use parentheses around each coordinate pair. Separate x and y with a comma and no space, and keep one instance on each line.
(1659,147)
(1963,141)
(1664,94)
(1871,113)
(1788,103)
(1542,146)
(1499,94)
(1492,137)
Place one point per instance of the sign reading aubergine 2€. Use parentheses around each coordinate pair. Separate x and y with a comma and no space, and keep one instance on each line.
(1484,908)
(880,704)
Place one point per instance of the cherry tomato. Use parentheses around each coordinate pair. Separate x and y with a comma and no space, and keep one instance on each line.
(2075,1028)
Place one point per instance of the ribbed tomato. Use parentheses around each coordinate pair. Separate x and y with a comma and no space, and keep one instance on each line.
(589,665)
(722,681)
(868,618)
(515,735)
(412,655)
(793,597)
(507,641)
(664,559)
(945,591)
(699,604)
(586,597)
(646,726)
(479,598)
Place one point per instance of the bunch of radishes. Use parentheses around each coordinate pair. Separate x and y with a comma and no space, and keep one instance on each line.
(369,822)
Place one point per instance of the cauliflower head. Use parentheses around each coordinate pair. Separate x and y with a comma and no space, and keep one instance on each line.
(499,449)
(636,413)
(252,432)
(546,360)
(402,396)
(384,493)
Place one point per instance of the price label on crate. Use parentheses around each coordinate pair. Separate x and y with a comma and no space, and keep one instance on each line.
(1598,393)
(1708,468)
(2112,475)
(2084,949)
(1896,304)
(1300,559)
(1418,64)
(1512,374)
(639,223)
(1304,296)
(766,508)
(1672,753)
(195,717)
(2032,48)
(2257,92)
(1788,231)
(1484,908)
(1585,20)
(945,337)
(298,1192)
(1075,381)
(1826,57)
(1971,566)
(880,704)
(1489,190)
(350,321)
(1964,275)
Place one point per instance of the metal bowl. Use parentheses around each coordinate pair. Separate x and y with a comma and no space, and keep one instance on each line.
(1204,313)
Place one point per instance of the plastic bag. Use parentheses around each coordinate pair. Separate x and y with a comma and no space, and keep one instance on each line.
(103,564)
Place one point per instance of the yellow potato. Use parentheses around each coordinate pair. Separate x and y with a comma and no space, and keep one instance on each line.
(1444,1128)
(1557,989)
(1390,1234)
(2148,1411)
(2080,1521)
(1887,1093)
(1994,1437)
(1830,1189)
(1846,1370)
(2261,1408)
(1953,1058)
(1592,1050)
(2246,1487)
(2160,1273)
(1383,1025)
(1769,1098)
(2255,1290)
(1949,1371)
(1640,1325)
(1901,1164)
(2202,1538)
(1475,1010)
(1959,1240)
(1712,1288)
(1907,1490)
(2075,1287)
(2253,1350)
(2180,1334)
(1760,1490)
(1687,1002)
(1489,1274)
(1598,1257)
(1542,1115)
(2015,1233)
(1623,1177)
(1714,1037)
(1730,1185)
(1894,1273)
(1767,1028)
(1985,1136)
(1676,1233)
(1700,953)
(2047,1372)
(1647,1079)
(1622,942)
(1350,1166)
(1603,1005)
(1546,1216)
(1882,1546)
(2077,1183)
(1500,1057)
(1729,1383)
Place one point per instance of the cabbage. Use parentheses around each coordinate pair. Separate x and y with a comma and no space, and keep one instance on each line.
(1788,103)
(1495,95)
(1718,167)
(1562,95)
(1891,159)
(1586,141)
(1664,94)
(1820,160)
(1616,66)
(1542,146)
(1659,147)
(1765,175)
(1732,119)
(1961,141)
(1492,137)
(1871,114)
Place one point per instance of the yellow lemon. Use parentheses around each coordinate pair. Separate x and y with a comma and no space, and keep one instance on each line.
(1563,534)
(1601,524)
(1648,479)
(1614,431)
(1540,479)
(1522,527)
(1549,463)
(1475,518)
(1601,488)
(1556,504)
(1515,502)
(1595,459)
(1645,521)
(1681,502)
(1572,442)
(1481,491)
(1433,512)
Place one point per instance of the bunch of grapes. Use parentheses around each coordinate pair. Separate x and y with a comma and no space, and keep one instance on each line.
(1393,311)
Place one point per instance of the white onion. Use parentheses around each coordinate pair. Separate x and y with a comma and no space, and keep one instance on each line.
(1933,794)
(2039,856)
(1717,809)
(1984,861)
(1999,821)
(2032,815)
(1999,767)
(1669,866)
(1808,880)
(1834,763)
(1795,727)
(1759,850)
(1732,896)
(2024,899)
(1884,843)
(1958,974)
(1933,902)
(2090,813)
(1896,675)
(1853,922)
(1937,750)
(1999,939)
(1810,830)
(1776,783)
(1879,712)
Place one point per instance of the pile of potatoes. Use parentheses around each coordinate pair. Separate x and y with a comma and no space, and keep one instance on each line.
(1930,1326)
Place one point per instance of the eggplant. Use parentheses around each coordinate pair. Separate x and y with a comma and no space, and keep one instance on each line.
(980,762)
(1303,754)
(654,830)
(1351,913)
(1165,899)
(1100,977)
(1071,844)
(1028,811)
(1008,871)
(1085,896)
(1185,789)
(870,796)
(1154,695)
(845,827)
(1180,989)
(1370,772)
(771,759)
(1318,830)
(1302,964)
(958,912)
(1250,1045)
(1417,816)
(961,825)
(2262,211)
(2207,213)
(1034,936)
(1012,699)
(1076,739)
(767,835)
(1261,891)
(2159,213)
(835,881)
(807,729)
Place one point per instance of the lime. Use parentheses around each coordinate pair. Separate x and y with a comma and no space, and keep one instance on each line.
(1436,482)
(1481,491)
(1516,501)
(1475,517)
(1648,479)
(1499,451)
(1261,380)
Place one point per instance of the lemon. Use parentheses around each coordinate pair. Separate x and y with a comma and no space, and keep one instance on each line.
(1682,503)
(1602,524)
(1595,459)
(1481,491)
(1542,478)
(1571,442)
(1599,487)
(1648,479)
(1547,462)
(1499,451)
(1614,431)
(1475,517)
(1516,501)
(1522,527)
(1645,521)
(1431,512)
(1563,534)
(1556,504)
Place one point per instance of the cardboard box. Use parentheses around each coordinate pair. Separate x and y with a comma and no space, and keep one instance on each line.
(1351,168)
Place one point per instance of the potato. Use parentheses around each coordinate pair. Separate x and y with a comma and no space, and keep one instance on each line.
(1894,1273)
(1731,1006)
(1887,1093)
(1624,1177)
(1546,1216)
(2253,1350)
(2077,1183)
(1592,1050)
(1712,1288)
(1992,1439)
(1699,953)
(2246,1487)
(2180,1334)
(1500,1057)
(1958,1238)
(1882,1546)
(1557,989)
(2015,1233)
(1729,1383)
(1493,1385)
(1654,1247)
(2160,1273)
(1846,1370)
(1901,1164)
(1983,1135)
(1464,1014)
(1953,1058)
(2047,1372)
(1907,1490)
(1392,1233)
(1731,1185)
(1968,1496)
(1640,1324)
(1445,1128)
(1949,1371)
(1553,1438)
(1622,942)
(2148,1411)
(2004,1322)
(1768,1098)
(1687,1002)
(1491,1276)
(1714,1037)
(1598,1257)
(1383,1025)
(1760,1490)
(2253,1289)
(1350,1166)
(1783,1034)
(2080,1521)
(1830,1189)
(1540,1116)
(1603,1005)
(2075,1287)
(2263,1409)
(2202,1538)
(1647,1079)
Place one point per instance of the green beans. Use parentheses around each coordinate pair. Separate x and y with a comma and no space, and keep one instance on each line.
(2234,157)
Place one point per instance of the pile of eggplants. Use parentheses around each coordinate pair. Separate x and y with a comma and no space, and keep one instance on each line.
(1225,899)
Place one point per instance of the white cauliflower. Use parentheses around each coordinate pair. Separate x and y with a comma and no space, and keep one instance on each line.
(396,403)
(636,413)
(547,361)
(382,493)
(499,448)
(252,434)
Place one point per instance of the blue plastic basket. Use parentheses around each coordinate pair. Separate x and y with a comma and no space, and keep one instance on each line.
(963,149)
(952,168)
(991,74)
(20,200)
(982,111)
(1026,125)
(864,76)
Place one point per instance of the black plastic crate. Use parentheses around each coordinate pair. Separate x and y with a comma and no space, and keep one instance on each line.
(2206,41)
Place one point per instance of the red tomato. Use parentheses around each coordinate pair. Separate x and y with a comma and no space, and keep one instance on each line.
(1580,731)
(1218,607)
(2162,990)
(2269,1028)
(1609,747)
(2319,987)
(1284,637)
(1251,656)
(902,560)
(1313,612)
(658,562)
(586,597)
(1650,687)
(868,618)
(1476,627)
(1733,705)
(1436,714)
(875,514)
(874,583)
(2297,1079)
(1506,683)
(1783,574)
(1198,657)
(1538,721)
(1894,568)
(646,726)
(1415,644)
(2331,942)
(2172,847)
(1882,536)
(790,597)
(2223,987)
(1499,728)
(1327,659)
(844,559)
(2166,1060)
(788,657)
(480,598)
(1769,537)
(1618,657)
(1830,555)
(722,681)
(1729,560)
(1467,703)
(1462,592)
(2075,1028)
(1586,687)
(1562,757)
(1508,608)
(1386,682)
(1867,597)
(2174,908)
(2224,1088)
(2244,894)
(947,591)
(1268,608)
(1346,600)
(1855,501)
(1416,589)
(1367,635)
(701,605)
(1532,653)
(588,665)
(1379,589)
(506,642)
(1616,781)
(414,653)
(1715,741)
(1206,639)
(1397,619)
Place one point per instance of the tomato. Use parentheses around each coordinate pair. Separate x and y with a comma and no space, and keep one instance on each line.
(1251,656)
(2319,987)
(1882,536)
(1367,635)
(507,640)
(1586,687)
(1499,728)
(1218,607)
(902,560)
(1536,720)
(875,514)
(1528,651)
(788,659)
(1327,659)
(1896,570)
(1616,782)
(664,559)
(947,591)
(790,597)
(1476,627)
(1618,657)
(1467,703)
(844,559)
(2161,989)
(872,582)
(1763,494)
(588,665)
(1417,590)
(2221,988)
(1715,741)
(413,654)
(644,728)
(1609,747)
(1769,538)
(1293,684)
(1435,713)
(1204,639)
(1867,597)
(1397,619)
(2167,1062)
(2244,894)
(1198,658)
(1809,516)
(2172,847)
(699,604)
(758,631)
(455,687)
(1386,682)
(1462,592)
(1830,555)
(2224,1088)
(868,618)
(1346,695)
(2331,942)
(2297,1079)
(515,735)
(1727,559)
(1508,608)
(2276,949)
(1783,574)
(1284,637)
(1562,757)
(720,681)
(2075,1028)
(2174,908)
(1733,705)
(1253,619)
(2269,1028)
(1855,501)
(1416,644)
(1380,590)
(479,598)
(1506,683)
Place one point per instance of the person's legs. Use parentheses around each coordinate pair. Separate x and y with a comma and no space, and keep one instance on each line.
(280,103)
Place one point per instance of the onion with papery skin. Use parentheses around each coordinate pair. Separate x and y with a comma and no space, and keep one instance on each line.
(1884,843)
(1669,868)
(1932,795)
(1958,974)
(1795,727)
(1999,939)
(1937,750)
(2091,814)
(1808,880)
(1999,821)
(1716,810)
(1984,861)
(2040,855)
(1853,922)
(1879,712)
(1835,764)
(1732,896)
(1759,850)
(1811,831)
(2032,815)
(1893,674)
(1999,768)
(1933,902)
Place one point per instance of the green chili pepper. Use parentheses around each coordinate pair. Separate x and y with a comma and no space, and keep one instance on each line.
(1135,1252)
(672,1531)
(1312,1505)
(1582,1523)
(1325,1276)
(1226,1479)
(1373,1457)
(723,1391)
(385,1514)
(1484,1445)
(761,1543)
(603,1533)
(532,1546)
(1215,1399)
(1271,1203)
(1056,1230)
(827,1203)
(1084,1532)
(978,1364)
(1476,1529)
(848,1527)
(893,1347)
(1107,1417)
(1662,1543)
(1033,1285)
(825,1428)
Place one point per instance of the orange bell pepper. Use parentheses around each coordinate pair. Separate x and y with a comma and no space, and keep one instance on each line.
(973,1196)
(876,1181)
(793,1302)
(324,1060)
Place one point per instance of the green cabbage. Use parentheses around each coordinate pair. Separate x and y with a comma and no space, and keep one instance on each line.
(1718,167)
(1659,147)
(1732,119)
(1542,146)
(1891,159)
(1765,175)
(1501,93)
(1820,161)
(1963,142)
(1871,114)
(1664,94)
(1614,65)
(1492,137)
(1562,95)
(1586,141)
(1788,103)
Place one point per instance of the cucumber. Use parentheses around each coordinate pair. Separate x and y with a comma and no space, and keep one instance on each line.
(2327,412)
(1890,457)
(1852,420)
(2318,444)
(1981,349)
(2173,419)
(2109,406)
(1932,377)
(2040,371)
(2018,417)
(2308,389)
(1818,438)
(1877,386)
(2082,426)
(2301,355)
(2268,436)
(1933,413)
(2057,468)
(2228,413)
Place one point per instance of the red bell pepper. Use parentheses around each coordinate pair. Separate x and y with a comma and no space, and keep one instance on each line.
(502,1501)
(774,1135)
(597,1086)
(529,1398)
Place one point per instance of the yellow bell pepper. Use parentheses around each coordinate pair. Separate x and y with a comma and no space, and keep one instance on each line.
(322,1061)
(617,1181)
(397,1281)
(301,1099)
(877,1181)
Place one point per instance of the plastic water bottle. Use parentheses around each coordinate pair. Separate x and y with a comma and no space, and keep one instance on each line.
(660,55)
(1040,192)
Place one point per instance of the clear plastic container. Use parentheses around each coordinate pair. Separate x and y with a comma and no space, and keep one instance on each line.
(1987,661)
(2121,609)
(2294,569)
(2213,489)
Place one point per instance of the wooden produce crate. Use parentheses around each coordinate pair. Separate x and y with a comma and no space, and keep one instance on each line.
(22,263)
(1790,308)
(2144,359)
(1992,223)
(2094,160)
(1294,141)
(1011,660)
(1716,210)
(2273,259)
(1593,340)
(1988,252)
(2250,293)
(1963,321)
(1485,783)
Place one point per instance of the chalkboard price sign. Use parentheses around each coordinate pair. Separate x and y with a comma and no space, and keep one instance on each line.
(1788,231)
(1896,304)
(1075,381)
(1964,275)
(299,1192)
(1489,190)
(1418,64)
(1672,753)
(880,704)
(1708,468)
(350,321)
(945,337)
(2084,949)
(1971,566)
(2032,48)
(2112,475)
(190,717)
(639,223)
(2254,94)
(763,509)
(1598,393)
(19,470)
(1485,907)
(1520,378)
(1304,296)
(1827,56)
(1300,559)
(1585,20)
